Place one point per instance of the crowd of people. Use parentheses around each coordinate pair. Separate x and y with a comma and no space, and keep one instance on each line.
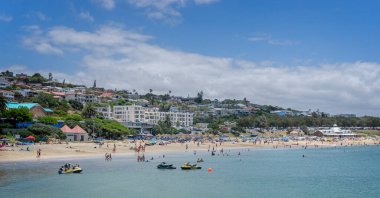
(108,157)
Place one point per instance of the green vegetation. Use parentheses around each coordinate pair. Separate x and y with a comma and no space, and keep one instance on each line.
(42,130)
(3,105)
(73,120)
(368,132)
(36,78)
(18,115)
(112,129)
(93,127)
(164,127)
(89,111)
(76,105)
(270,120)
(75,117)
(48,120)
(46,100)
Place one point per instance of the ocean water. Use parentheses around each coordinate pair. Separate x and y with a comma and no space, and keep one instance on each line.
(333,172)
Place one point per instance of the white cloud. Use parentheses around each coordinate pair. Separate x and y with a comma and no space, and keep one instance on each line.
(266,38)
(37,14)
(118,58)
(199,2)
(6,18)
(107,4)
(37,41)
(41,16)
(86,16)
(167,10)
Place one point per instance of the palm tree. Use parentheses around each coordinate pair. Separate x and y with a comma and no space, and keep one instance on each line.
(3,104)
(89,110)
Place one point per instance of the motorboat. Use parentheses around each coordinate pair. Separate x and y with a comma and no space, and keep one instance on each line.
(164,165)
(188,166)
(67,170)
(200,160)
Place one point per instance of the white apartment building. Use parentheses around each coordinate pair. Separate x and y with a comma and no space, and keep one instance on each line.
(136,113)
(83,98)
(4,82)
(7,94)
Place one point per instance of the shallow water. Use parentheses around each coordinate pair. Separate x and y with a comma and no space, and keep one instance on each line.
(333,172)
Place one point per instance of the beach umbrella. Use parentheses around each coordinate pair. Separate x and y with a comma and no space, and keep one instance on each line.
(30,137)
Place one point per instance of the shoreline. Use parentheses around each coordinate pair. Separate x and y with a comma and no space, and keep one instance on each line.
(57,152)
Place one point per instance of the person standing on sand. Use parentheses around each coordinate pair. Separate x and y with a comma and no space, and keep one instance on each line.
(38,153)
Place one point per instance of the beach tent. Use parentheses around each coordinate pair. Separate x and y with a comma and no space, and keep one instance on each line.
(30,137)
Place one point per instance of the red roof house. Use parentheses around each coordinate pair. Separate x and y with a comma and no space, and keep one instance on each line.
(75,134)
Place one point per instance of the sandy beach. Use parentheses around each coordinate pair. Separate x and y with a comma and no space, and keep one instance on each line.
(90,149)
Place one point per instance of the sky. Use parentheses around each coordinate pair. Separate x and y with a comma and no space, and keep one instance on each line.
(317,54)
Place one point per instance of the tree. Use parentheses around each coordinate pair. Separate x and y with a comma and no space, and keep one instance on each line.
(245,101)
(246,122)
(36,78)
(18,115)
(89,111)
(164,127)
(76,105)
(262,121)
(93,127)
(46,100)
(49,120)
(44,130)
(73,120)
(213,125)
(113,129)
(3,104)
(75,117)
(18,97)
(305,129)
(199,97)
(71,123)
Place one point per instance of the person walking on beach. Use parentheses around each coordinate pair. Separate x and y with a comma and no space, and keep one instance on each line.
(38,153)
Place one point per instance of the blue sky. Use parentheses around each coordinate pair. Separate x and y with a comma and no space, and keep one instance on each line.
(263,48)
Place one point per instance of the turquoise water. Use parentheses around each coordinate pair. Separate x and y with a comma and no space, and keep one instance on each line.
(334,172)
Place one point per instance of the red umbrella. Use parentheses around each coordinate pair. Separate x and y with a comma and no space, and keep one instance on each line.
(30,137)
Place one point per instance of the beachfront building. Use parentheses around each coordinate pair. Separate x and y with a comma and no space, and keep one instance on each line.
(75,134)
(139,114)
(34,108)
(335,131)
